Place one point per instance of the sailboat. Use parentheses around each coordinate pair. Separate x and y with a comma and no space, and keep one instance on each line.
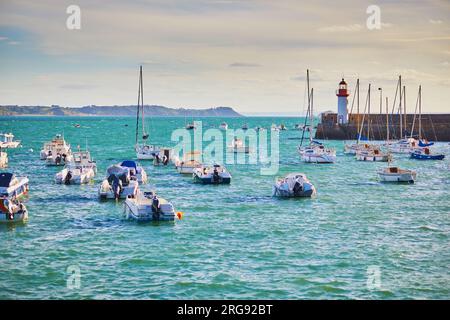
(370,152)
(395,174)
(423,153)
(315,152)
(144,151)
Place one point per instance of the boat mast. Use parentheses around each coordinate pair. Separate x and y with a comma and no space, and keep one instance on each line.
(404,108)
(368,115)
(400,106)
(420,112)
(311,115)
(387,121)
(138,105)
(308,110)
(357,106)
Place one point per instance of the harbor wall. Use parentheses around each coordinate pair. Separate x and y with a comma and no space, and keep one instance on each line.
(435,127)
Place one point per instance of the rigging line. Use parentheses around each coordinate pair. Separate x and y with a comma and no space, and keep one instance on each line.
(414,119)
(138,104)
(362,121)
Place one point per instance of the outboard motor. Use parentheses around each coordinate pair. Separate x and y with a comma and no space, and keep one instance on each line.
(64,156)
(68,177)
(116,187)
(216,177)
(58,159)
(156,210)
(298,188)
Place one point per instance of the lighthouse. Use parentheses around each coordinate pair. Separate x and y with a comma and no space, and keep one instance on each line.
(342,94)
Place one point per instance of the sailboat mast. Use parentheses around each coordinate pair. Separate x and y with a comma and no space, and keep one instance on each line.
(368,115)
(142,103)
(311,115)
(404,109)
(357,105)
(400,106)
(420,112)
(387,121)
(138,105)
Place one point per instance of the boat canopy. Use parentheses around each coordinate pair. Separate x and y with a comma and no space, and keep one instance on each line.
(129,164)
(5,179)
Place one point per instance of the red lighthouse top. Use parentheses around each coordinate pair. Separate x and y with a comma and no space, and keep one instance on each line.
(342,92)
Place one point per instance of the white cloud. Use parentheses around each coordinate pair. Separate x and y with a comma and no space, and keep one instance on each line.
(3,38)
(435,21)
(346,28)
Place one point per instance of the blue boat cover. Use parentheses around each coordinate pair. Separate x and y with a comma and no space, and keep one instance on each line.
(5,179)
(422,144)
(129,164)
(317,142)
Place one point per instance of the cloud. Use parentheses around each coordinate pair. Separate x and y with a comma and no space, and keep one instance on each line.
(77,86)
(13,43)
(347,28)
(244,65)
(3,38)
(435,21)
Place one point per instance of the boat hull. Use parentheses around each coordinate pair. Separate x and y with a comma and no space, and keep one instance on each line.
(427,157)
(133,210)
(401,177)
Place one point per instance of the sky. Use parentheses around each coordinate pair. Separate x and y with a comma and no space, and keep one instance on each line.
(251,55)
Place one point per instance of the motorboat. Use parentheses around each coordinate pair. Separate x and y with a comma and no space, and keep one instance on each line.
(56,152)
(144,150)
(136,171)
(245,127)
(294,185)
(317,153)
(74,174)
(190,126)
(118,184)
(11,186)
(223,126)
(395,174)
(83,159)
(7,141)
(283,127)
(274,127)
(215,174)
(12,210)
(3,159)
(238,146)
(163,157)
(58,159)
(373,155)
(425,154)
(190,161)
(147,206)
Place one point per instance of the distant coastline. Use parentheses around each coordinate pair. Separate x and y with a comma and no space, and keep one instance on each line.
(130,110)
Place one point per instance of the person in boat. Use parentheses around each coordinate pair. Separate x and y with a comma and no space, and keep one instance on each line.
(156,207)
(216,176)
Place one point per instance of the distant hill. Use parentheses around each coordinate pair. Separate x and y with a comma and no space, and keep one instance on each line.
(150,110)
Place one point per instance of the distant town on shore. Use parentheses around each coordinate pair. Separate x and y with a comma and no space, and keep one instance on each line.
(130,110)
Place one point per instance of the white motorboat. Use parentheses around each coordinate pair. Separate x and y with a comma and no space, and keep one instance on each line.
(7,141)
(3,159)
(147,206)
(118,184)
(294,185)
(395,174)
(223,126)
(56,152)
(144,151)
(190,126)
(58,159)
(238,146)
(245,127)
(75,174)
(11,186)
(373,155)
(215,174)
(274,127)
(84,160)
(163,157)
(315,152)
(12,210)
(190,161)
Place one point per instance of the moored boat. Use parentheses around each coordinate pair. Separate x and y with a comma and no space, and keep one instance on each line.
(238,146)
(223,126)
(375,155)
(190,161)
(11,186)
(12,211)
(118,184)
(147,206)
(425,154)
(7,141)
(74,174)
(395,174)
(294,185)
(215,174)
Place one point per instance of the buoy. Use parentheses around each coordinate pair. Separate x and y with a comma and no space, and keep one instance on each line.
(180,215)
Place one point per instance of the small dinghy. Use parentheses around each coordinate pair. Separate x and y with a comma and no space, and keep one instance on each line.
(425,154)
(74,174)
(238,146)
(7,141)
(147,206)
(373,155)
(191,161)
(57,146)
(215,174)
(119,184)
(3,159)
(11,186)
(12,211)
(395,174)
(294,185)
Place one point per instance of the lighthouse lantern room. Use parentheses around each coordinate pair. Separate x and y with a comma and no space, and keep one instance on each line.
(342,94)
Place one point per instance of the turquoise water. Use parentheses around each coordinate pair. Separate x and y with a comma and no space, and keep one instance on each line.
(234,241)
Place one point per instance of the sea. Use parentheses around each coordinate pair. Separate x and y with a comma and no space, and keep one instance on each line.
(356,239)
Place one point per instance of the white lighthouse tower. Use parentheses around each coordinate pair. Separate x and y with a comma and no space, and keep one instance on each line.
(342,94)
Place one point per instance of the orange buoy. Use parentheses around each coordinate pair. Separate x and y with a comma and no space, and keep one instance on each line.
(180,215)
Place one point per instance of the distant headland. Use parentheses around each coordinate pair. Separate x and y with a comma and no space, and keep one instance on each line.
(93,110)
